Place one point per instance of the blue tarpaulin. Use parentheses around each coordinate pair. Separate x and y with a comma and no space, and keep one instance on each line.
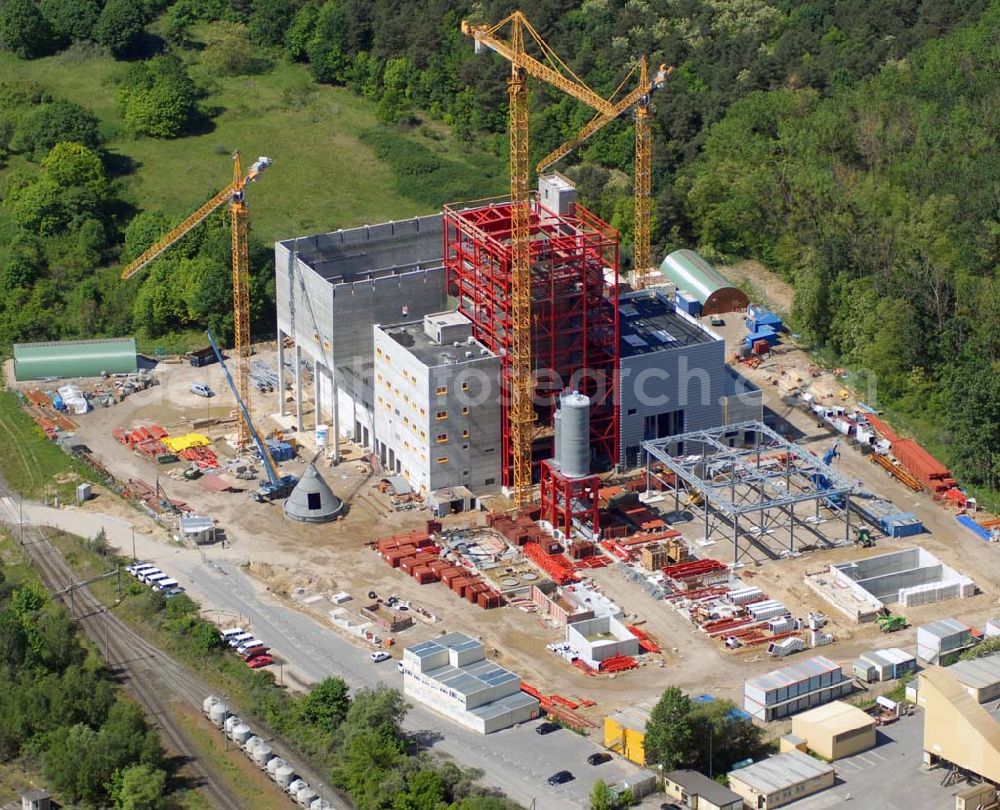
(974,527)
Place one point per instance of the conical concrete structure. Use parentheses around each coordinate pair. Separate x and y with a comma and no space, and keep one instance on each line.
(312,501)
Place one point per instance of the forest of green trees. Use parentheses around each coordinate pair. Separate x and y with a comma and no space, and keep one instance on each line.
(60,710)
(849,146)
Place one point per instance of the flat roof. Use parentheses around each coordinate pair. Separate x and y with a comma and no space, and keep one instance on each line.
(633,717)
(942,628)
(372,250)
(412,337)
(780,772)
(503,705)
(698,784)
(836,717)
(650,323)
(978,673)
(891,656)
(795,673)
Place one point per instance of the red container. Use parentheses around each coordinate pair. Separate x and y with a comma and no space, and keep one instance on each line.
(407,563)
(459,584)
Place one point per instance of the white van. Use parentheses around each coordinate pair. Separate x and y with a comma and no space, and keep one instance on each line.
(231,632)
(166,584)
(201,390)
(152,572)
(145,568)
(240,638)
(249,644)
(152,580)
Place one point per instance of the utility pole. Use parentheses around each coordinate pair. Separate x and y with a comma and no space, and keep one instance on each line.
(107,654)
(134,558)
(20,519)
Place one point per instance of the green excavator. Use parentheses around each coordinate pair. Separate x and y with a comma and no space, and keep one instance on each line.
(863,538)
(890,622)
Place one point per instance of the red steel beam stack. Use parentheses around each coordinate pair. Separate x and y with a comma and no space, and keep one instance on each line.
(557,566)
(574,310)
(922,465)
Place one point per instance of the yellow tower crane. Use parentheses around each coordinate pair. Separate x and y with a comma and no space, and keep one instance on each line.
(639,100)
(560,76)
(232,194)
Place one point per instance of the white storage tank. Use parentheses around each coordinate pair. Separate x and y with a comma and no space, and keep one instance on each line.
(283,775)
(305,796)
(208,703)
(241,733)
(293,788)
(574,435)
(218,714)
(231,722)
(320,804)
(262,755)
(273,764)
(251,745)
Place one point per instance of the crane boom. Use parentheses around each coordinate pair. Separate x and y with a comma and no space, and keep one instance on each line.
(638,98)
(278,484)
(234,195)
(192,221)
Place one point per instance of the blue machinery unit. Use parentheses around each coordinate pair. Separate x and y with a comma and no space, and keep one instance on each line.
(276,487)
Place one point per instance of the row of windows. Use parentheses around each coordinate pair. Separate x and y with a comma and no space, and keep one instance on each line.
(442,390)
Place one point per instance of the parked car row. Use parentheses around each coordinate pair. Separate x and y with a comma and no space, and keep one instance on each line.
(252,650)
(150,575)
(259,752)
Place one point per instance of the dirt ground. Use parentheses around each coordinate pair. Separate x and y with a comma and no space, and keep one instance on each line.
(307,564)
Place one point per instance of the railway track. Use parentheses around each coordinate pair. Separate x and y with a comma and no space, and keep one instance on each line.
(150,675)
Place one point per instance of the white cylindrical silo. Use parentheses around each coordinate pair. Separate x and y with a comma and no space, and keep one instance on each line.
(319,804)
(284,775)
(273,764)
(231,722)
(293,788)
(305,796)
(251,745)
(262,755)
(218,714)
(574,438)
(208,703)
(556,435)
(241,733)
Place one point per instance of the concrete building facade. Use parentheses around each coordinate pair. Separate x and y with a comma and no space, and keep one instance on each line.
(600,638)
(781,779)
(957,729)
(437,413)
(451,676)
(835,730)
(673,376)
(330,290)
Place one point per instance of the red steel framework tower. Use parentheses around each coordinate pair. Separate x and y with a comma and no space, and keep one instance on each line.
(574,309)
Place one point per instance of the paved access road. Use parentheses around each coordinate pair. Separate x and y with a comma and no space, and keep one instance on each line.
(516,760)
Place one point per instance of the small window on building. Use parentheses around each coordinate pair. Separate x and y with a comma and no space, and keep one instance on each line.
(465,386)
(465,433)
(314,500)
(489,449)
(378,351)
(423,412)
(465,473)
(442,460)
(442,438)
(423,434)
(441,415)
(631,412)
(442,390)
(465,411)
(489,481)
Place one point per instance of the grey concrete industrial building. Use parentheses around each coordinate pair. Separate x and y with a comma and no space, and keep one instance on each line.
(334,289)
(673,376)
(437,414)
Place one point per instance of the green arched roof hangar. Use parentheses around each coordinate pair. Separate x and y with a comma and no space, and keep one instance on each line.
(74,358)
(694,275)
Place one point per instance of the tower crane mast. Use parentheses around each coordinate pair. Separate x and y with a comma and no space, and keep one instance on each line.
(234,195)
(556,73)
(639,101)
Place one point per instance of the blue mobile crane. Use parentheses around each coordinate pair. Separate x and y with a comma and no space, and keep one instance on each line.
(276,487)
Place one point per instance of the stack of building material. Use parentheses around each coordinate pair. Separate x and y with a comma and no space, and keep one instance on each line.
(556,566)
(618,663)
(897,472)
(922,465)
(931,592)
(786,646)
(696,573)
(744,596)
(767,609)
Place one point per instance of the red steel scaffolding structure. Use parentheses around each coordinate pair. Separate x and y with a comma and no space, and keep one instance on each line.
(574,309)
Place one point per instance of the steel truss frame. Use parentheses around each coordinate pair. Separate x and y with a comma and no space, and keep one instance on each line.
(574,309)
(768,481)
(564,500)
